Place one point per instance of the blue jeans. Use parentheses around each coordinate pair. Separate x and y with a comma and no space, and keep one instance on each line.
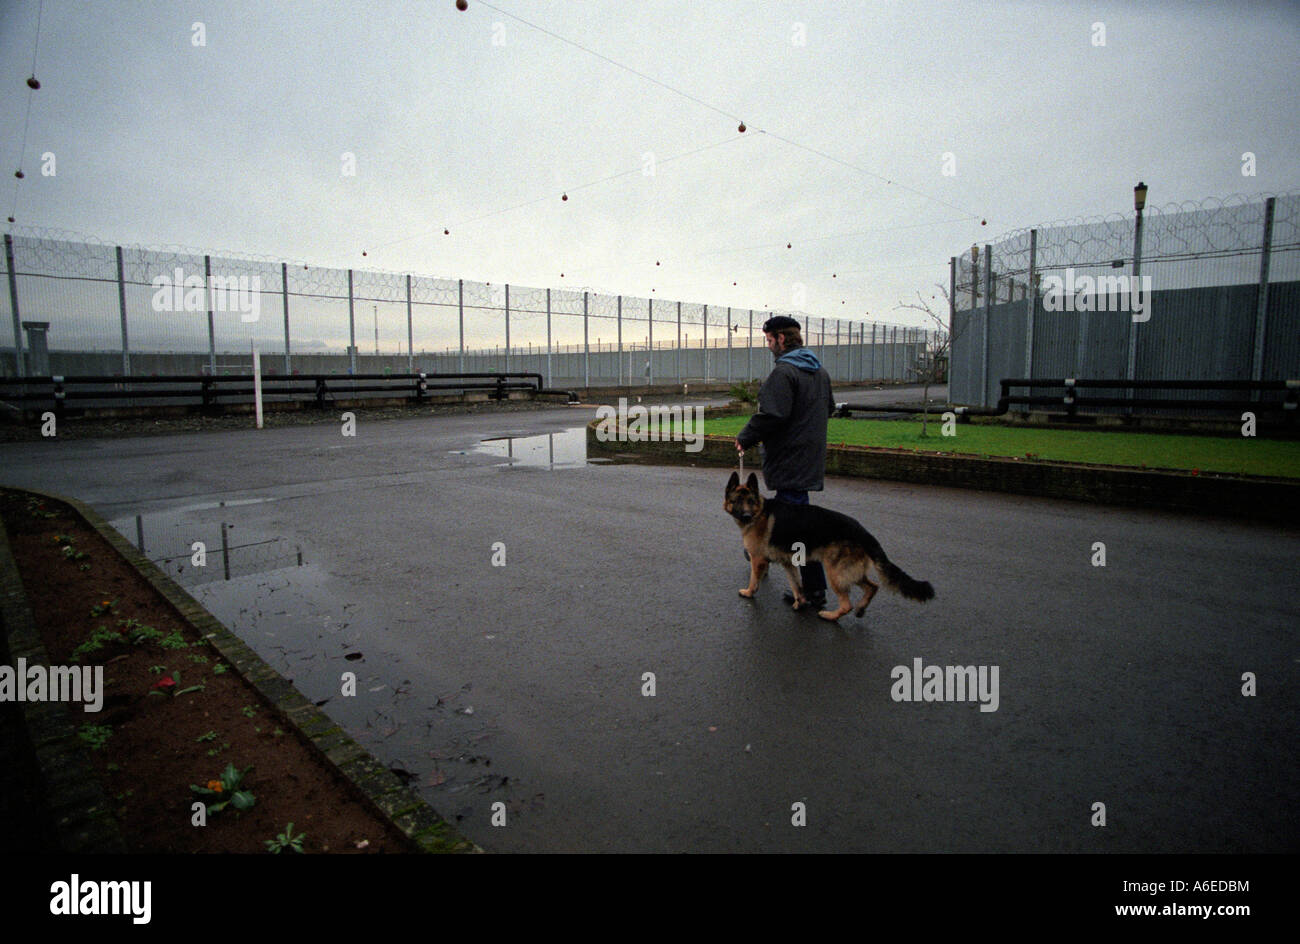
(811,574)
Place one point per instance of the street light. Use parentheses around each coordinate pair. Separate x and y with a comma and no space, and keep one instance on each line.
(1139,204)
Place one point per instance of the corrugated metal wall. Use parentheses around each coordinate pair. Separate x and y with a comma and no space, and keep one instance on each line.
(1203,304)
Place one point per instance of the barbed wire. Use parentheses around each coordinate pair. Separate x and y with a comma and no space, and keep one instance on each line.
(61,254)
(1178,232)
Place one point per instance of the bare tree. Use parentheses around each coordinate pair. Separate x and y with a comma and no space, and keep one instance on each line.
(937,351)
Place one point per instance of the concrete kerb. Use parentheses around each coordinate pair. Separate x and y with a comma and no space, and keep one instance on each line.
(382,790)
(1256,498)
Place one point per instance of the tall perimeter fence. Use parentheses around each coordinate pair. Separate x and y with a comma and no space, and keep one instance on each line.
(1058,301)
(86,308)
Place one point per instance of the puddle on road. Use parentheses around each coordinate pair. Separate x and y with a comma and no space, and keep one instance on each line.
(229,551)
(563,450)
(308,626)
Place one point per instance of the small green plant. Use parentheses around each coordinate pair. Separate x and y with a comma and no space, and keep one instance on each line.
(130,631)
(96,735)
(249,711)
(220,668)
(99,609)
(157,669)
(745,393)
(286,840)
(210,736)
(226,791)
(198,659)
(103,636)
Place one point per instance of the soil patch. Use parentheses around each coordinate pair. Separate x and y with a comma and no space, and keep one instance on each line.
(153,737)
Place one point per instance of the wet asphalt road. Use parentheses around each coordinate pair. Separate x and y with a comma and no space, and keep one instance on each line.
(522,684)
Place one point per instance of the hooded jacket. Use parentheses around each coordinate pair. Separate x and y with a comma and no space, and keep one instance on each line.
(794,404)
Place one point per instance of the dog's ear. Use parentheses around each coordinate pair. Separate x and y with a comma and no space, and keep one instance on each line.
(733,481)
(752,483)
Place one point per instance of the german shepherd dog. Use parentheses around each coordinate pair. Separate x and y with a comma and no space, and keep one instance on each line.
(770,529)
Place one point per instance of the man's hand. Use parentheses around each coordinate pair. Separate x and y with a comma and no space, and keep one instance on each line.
(739,448)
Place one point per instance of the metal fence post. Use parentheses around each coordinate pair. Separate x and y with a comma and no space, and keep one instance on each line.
(705,349)
(1030,307)
(549,381)
(284,296)
(728,345)
(460,307)
(749,349)
(352,328)
(619,356)
(952,321)
(212,333)
(678,351)
(650,342)
(410,330)
(586,346)
(121,304)
(1261,309)
(19,369)
(507,361)
(988,314)
(1031,313)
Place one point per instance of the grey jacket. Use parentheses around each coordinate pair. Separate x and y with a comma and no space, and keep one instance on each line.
(794,404)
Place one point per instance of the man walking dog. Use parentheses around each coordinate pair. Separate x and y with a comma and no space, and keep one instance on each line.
(794,404)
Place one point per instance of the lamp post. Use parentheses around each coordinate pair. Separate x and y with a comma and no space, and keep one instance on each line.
(1139,204)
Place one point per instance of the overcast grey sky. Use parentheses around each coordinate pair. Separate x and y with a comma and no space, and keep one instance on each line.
(478,123)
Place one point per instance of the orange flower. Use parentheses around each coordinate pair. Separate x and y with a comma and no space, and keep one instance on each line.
(215,786)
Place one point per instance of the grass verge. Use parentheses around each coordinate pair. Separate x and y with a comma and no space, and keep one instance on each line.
(1231,455)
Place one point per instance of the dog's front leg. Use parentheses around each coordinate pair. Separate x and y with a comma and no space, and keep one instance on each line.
(757,571)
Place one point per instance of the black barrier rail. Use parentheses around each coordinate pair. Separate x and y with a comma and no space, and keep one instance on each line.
(1071,401)
(212,390)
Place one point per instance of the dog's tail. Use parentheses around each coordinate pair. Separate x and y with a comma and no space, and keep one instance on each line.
(899,582)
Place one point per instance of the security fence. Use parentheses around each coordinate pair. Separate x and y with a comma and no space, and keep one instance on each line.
(1208,292)
(80,307)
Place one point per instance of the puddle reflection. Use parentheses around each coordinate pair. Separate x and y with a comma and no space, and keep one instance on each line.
(193,553)
(562,450)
